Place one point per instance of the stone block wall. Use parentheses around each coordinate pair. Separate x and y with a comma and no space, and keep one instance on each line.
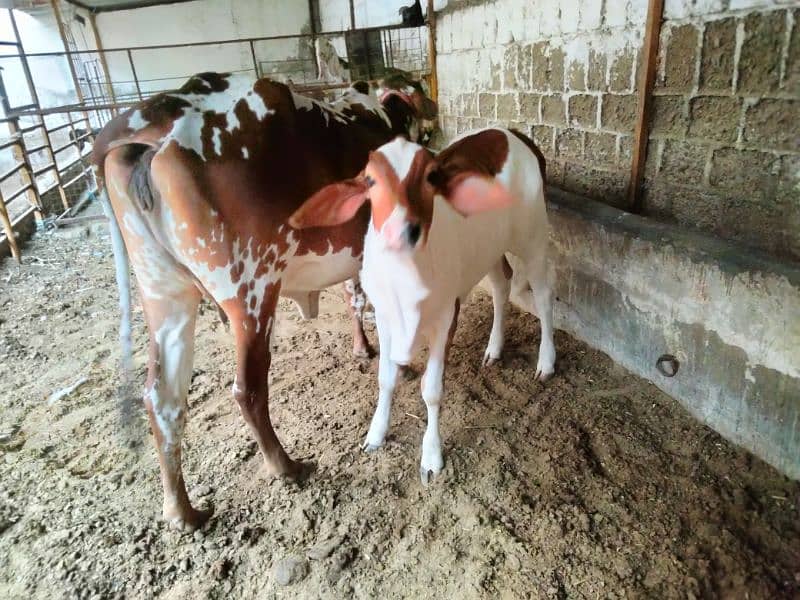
(726,127)
(724,149)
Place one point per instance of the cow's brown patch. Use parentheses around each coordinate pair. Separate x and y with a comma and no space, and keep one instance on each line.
(482,153)
(419,191)
(206,83)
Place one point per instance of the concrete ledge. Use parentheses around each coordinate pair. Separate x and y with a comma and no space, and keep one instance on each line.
(637,289)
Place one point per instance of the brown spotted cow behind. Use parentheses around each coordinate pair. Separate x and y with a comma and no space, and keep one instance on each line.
(202,182)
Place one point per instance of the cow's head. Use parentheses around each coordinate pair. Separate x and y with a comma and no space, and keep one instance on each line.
(401,181)
(399,85)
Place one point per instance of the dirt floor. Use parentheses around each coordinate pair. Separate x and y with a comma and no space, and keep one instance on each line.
(593,485)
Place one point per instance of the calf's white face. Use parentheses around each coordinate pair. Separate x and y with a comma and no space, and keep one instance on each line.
(401,181)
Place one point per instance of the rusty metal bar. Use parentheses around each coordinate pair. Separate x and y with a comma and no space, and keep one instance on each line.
(14,140)
(44,169)
(33,194)
(9,230)
(655,11)
(135,78)
(67,51)
(253,54)
(78,92)
(71,143)
(30,128)
(36,148)
(67,221)
(73,163)
(213,43)
(77,177)
(103,61)
(19,192)
(28,174)
(312,19)
(433,81)
(11,171)
(57,127)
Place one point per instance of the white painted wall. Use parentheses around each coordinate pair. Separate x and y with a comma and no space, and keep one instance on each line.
(201,20)
(39,33)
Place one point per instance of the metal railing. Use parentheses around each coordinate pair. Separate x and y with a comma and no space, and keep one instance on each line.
(368,50)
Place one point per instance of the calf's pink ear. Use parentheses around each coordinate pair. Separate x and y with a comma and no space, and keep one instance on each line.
(476,194)
(334,204)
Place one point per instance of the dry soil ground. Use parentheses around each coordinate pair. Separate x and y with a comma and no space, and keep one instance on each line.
(594,485)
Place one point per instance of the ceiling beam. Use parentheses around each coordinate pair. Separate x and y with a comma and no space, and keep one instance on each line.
(80,4)
(123,5)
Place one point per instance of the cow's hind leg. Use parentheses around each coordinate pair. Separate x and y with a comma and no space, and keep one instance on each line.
(250,387)
(499,278)
(356,301)
(171,322)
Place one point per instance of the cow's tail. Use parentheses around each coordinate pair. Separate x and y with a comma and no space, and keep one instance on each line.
(123,276)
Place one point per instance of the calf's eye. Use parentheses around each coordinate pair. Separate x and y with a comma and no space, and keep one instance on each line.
(413,231)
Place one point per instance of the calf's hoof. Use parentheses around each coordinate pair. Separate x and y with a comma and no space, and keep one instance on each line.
(370,447)
(544,373)
(187,519)
(426,475)
(489,360)
(431,464)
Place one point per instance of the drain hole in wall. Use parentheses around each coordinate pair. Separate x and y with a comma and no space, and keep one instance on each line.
(667,365)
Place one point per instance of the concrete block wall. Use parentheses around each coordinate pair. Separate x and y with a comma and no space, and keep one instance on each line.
(725,145)
(724,153)
(563,72)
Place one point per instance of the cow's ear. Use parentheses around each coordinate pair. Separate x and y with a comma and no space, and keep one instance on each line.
(334,204)
(471,194)
(426,108)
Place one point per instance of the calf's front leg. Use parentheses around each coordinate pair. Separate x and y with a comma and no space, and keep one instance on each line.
(441,338)
(387,378)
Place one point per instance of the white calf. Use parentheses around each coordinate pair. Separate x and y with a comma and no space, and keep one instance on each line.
(439,224)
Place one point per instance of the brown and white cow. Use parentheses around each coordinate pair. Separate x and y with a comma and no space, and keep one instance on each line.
(439,224)
(202,183)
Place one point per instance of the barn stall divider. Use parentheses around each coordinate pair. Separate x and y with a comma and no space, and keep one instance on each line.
(50,174)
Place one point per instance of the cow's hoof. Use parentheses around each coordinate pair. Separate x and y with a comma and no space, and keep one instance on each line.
(426,475)
(188,520)
(370,447)
(363,353)
(294,470)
